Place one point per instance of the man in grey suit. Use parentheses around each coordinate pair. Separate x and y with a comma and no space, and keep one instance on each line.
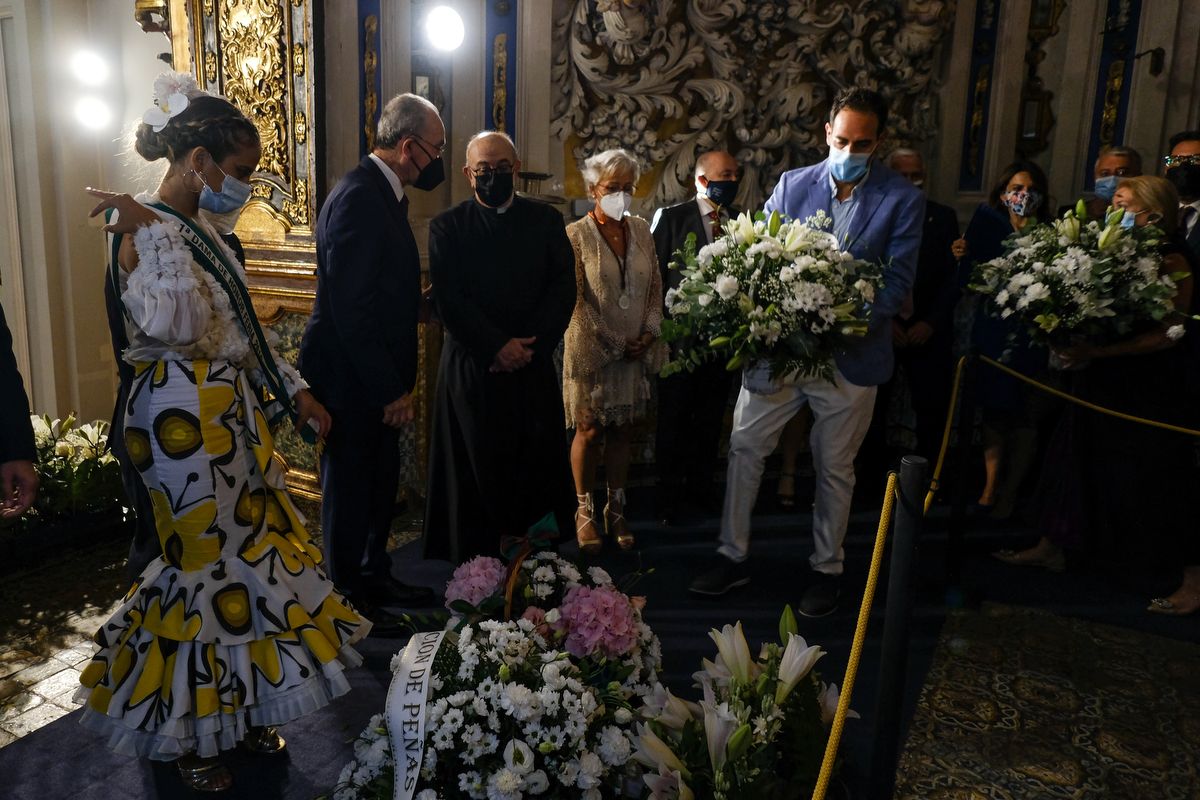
(877,216)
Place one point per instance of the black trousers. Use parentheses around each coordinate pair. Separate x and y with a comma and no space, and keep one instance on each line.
(691,414)
(360,473)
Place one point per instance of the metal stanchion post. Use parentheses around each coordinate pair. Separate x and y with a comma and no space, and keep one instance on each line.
(965,429)
(894,656)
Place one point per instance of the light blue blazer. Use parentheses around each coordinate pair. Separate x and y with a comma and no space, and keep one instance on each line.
(886,227)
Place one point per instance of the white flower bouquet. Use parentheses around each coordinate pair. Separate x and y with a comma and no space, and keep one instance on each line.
(760,731)
(537,706)
(768,290)
(1080,279)
(78,473)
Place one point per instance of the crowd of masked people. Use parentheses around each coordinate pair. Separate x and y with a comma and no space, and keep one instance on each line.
(236,622)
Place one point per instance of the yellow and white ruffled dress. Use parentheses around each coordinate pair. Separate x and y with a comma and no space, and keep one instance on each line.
(235,624)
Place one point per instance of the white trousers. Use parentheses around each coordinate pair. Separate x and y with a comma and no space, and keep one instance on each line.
(841,416)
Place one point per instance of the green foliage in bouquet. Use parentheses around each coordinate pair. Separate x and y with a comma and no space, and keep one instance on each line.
(1081,279)
(78,474)
(769,289)
(760,731)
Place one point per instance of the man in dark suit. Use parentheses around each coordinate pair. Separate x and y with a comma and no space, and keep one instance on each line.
(691,405)
(18,477)
(876,216)
(923,329)
(1183,170)
(359,352)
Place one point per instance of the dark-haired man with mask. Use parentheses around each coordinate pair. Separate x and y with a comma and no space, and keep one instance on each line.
(691,405)
(1183,170)
(359,352)
(503,276)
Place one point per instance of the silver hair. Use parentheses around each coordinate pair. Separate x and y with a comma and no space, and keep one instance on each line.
(484,135)
(1121,151)
(601,165)
(402,117)
(904,152)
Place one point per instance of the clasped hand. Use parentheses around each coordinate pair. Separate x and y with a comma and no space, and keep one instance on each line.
(516,353)
(636,348)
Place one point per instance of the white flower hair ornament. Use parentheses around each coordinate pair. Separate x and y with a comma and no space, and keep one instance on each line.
(172,93)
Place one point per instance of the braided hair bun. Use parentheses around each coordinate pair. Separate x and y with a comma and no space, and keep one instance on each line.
(208,121)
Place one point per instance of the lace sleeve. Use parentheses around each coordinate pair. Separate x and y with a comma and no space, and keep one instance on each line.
(589,342)
(163,295)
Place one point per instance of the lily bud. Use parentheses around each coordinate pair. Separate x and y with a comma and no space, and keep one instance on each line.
(1080,210)
(738,743)
(787,624)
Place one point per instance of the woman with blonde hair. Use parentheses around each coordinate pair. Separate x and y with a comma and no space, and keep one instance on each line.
(611,349)
(1137,480)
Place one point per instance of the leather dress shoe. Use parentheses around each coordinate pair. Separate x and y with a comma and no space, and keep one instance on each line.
(391,592)
(384,624)
(821,598)
(722,576)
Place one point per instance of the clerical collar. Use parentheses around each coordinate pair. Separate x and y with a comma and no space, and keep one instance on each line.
(392,178)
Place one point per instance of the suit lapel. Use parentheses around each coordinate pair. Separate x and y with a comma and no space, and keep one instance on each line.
(820,198)
(868,204)
(389,196)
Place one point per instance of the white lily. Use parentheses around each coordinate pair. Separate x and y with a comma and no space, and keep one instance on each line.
(667,785)
(653,752)
(827,700)
(668,709)
(518,757)
(743,229)
(734,652)
(797,660)
(719,725)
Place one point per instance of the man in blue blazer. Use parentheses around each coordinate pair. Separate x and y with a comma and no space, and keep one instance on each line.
(877,216)
(359,352)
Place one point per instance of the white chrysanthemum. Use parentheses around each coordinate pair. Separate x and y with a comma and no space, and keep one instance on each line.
(726,286)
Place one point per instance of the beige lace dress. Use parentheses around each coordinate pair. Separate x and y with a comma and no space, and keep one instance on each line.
(596,374)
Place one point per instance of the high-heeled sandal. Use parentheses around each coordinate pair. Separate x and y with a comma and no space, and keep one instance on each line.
(264,740)
(786,499)
(1164,605)
(204,774)
(1055,562)
(614,521)
(586,537)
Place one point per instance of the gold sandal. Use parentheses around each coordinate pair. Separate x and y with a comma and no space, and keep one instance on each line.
(204,774)
(614,521)
(586,537)
(264,740)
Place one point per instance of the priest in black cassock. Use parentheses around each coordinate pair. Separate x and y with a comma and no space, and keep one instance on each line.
(503,276)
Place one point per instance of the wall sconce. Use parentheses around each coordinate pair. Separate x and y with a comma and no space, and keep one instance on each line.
(1158,58)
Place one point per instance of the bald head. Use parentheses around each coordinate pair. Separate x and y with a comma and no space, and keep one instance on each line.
(494,142)
(717,165)
(909,164)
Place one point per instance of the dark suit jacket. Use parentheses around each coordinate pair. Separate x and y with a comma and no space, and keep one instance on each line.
(935,287)
(1193,243)
(16,431)
(670,228)
(360,348)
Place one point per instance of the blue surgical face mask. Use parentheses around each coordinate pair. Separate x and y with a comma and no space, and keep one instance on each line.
(233,195)
(1106,187)
(846,166)
(1130,219)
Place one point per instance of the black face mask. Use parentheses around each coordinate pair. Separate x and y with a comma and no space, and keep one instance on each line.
(722,193)
(432,174)
(1186,179)
(494,189)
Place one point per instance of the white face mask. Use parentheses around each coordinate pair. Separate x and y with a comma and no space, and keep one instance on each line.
(616,204)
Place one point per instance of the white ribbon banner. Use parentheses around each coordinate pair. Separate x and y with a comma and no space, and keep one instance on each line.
(405,709)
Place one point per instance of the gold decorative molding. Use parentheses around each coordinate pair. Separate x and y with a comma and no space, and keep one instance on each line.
(499,80)
(1112,101)
(252,36)
(370,71)
(978,111)
(298,62)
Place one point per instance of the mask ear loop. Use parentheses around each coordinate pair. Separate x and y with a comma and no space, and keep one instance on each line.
(199,177)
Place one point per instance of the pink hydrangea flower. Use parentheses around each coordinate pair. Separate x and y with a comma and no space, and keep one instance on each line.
(476,580)
(597,621)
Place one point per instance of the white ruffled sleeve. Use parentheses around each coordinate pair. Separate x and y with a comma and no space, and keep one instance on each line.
(163,296)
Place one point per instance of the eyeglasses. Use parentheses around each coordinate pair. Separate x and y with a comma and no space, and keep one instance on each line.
(1179,161)
(438,149)
(486,170)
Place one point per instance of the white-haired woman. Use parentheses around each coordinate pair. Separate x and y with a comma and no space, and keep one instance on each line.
(611,347)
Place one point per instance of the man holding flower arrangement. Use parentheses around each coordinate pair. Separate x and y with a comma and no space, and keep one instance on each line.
(876,218)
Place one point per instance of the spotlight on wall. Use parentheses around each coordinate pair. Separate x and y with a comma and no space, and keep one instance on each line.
(444,28)
(93,113)
(89,68)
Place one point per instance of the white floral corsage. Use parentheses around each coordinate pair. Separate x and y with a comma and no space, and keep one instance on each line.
(171,93)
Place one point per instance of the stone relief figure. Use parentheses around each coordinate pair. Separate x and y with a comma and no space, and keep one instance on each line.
(668,79)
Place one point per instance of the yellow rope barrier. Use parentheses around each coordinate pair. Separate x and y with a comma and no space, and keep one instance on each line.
(934,482)
(860,635)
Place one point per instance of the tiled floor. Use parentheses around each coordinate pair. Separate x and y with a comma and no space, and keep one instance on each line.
(47,617)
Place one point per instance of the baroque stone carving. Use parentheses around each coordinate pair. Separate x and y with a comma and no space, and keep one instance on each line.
(669,79)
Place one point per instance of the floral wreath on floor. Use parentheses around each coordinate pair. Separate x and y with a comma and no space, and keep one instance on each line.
(532,692)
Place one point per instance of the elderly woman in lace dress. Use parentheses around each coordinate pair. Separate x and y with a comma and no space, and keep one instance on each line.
(611,347)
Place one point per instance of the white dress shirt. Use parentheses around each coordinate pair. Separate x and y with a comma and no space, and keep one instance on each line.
(390,174)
